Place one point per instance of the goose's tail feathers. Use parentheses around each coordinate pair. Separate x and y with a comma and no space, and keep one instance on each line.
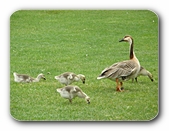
(100,77)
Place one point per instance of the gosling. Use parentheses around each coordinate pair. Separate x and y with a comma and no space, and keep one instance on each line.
(144,72)
(26,78)
(68,78)
(70,92)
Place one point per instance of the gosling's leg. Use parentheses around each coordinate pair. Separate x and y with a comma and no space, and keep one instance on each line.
(70,100)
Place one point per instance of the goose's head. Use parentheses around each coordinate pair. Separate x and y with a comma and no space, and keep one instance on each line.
(150,76)
(42,76)
(127,38)
(82,77)
(87,98)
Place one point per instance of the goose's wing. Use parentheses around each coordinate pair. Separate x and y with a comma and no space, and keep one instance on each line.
(24,76)
(68,75)
(141,68)
(120,69)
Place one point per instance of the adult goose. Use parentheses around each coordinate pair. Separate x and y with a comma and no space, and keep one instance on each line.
(68,78)
(124,70)
(70,92)
(27,78)
(144,72)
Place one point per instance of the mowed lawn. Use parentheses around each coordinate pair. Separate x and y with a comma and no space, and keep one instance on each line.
(83,42)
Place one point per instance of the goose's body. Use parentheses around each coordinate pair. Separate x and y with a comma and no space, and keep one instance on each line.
(144,72)
(27,78)
(124,70)
(68,78)
(70,92)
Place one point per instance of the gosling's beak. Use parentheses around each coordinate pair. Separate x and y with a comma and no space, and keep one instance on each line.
(83,81)
(44,78)
(88,102)
(152,80)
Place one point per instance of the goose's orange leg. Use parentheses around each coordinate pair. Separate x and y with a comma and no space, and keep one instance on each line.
(118,85)
(121,88)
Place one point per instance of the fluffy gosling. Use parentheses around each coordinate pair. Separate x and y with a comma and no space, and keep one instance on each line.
(70,92)
(27,78)
(68,78)
(144,72)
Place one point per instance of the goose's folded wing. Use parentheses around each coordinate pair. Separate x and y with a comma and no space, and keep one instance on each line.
(120,69)
(23,76)
(116,72)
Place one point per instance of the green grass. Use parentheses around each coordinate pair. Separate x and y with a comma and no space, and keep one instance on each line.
(82,41)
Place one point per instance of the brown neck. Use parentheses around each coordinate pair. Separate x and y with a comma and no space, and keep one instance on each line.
(131,49)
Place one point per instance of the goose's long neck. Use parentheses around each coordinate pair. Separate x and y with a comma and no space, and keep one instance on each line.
(37,79)
(77,78)
(132,54)
(83,95)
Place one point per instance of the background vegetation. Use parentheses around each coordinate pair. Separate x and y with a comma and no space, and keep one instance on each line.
(82,41)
